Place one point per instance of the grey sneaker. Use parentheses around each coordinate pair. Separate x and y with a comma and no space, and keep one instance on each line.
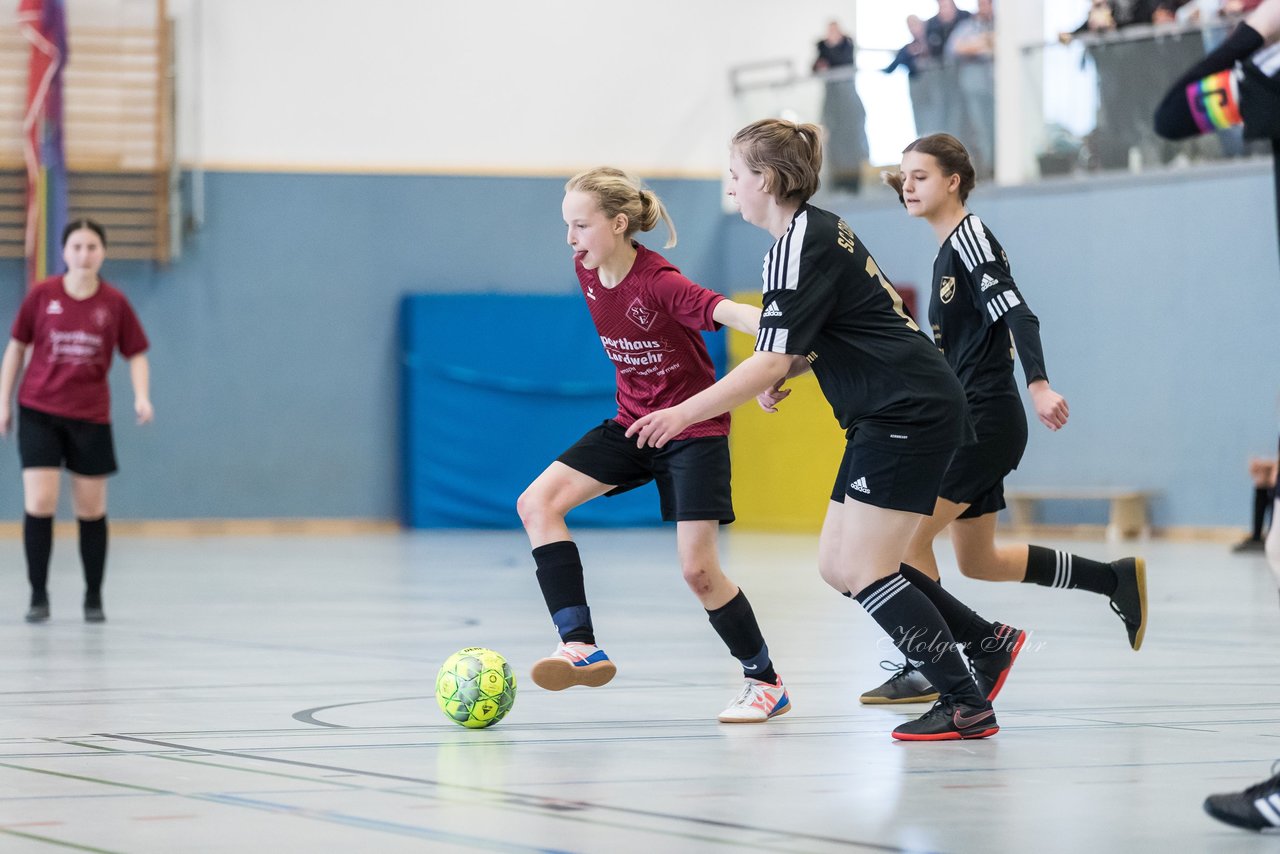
(906,685)
(38,613)
(1130,599)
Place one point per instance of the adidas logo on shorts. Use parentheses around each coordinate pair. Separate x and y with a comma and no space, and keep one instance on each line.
(861,486)
(772,311)
(988,281)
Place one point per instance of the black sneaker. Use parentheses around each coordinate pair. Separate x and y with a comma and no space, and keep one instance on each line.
(1130,599)
(991,660)
(1250,545)
(38,612)
(906,685)
(1256,808)
(94,614)
(948,721)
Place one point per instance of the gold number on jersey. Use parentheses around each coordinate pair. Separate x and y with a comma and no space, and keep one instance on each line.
(874,272)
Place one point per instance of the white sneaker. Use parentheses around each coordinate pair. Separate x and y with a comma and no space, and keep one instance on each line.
(571,664)
(758,702)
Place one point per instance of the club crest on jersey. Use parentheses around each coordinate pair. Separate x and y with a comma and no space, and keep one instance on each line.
(947,290)
(54,307)
(640,315)
(101,316)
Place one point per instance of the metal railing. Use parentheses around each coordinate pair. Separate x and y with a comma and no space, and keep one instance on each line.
(1087,108)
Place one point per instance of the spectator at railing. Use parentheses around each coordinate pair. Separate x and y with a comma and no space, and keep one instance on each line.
(922,82)
(1109,15)
(843,114)
(970,52)
(938,30)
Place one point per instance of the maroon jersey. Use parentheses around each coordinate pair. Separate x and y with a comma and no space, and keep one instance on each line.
(72,342)
(649,324)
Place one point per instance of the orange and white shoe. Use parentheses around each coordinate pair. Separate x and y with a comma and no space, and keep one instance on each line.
(572,664)
(758,702)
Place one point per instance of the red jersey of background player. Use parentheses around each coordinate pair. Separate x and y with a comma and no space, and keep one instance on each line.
(73,342)
(649,325)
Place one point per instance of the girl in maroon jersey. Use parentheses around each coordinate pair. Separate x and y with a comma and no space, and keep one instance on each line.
(72,323)
(649,317)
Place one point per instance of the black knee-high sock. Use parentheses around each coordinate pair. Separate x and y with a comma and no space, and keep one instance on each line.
(560,577)
(965,624)
(1261,501)
(1173,118)
(736,624)
(918,630)
(1052,568)
(37,541)
(93,555)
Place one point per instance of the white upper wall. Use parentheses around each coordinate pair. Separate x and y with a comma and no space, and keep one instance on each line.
(489,87)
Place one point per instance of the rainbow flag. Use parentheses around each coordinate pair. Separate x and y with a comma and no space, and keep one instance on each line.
(43,24)
(1215,101)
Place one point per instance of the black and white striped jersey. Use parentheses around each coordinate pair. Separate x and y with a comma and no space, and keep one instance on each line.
(973,306)
(825,299)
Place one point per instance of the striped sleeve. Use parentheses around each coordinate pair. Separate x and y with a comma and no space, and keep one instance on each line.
(998,304)
(971,243)
(797,297)
(782,264)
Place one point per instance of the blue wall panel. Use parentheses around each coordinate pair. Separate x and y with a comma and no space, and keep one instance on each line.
(489,405)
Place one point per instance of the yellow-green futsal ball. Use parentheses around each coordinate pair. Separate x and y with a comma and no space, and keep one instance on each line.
(475,687)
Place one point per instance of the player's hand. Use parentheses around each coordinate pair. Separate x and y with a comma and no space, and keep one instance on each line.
(657,428)
(770,399)
(1051,407)
(142,407)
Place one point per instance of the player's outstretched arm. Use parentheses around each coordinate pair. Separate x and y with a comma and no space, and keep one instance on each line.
(737,315)
(761,371)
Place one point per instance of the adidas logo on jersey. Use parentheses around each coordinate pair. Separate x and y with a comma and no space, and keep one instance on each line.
(861,486)
(772,311)
(988,281)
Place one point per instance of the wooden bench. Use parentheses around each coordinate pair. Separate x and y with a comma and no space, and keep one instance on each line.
(1128,517)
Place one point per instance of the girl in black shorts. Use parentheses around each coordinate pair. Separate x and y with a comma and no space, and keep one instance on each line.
(72,324)
(829,309)
(649,318)
(975,310)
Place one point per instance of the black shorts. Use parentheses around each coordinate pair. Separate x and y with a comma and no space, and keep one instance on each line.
(889,478)
(50,441)
(693,475)
(977,472)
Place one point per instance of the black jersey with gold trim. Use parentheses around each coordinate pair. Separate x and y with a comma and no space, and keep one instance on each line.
(826,299)
(972,297)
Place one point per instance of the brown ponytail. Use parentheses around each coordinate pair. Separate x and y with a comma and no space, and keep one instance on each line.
(788,155)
